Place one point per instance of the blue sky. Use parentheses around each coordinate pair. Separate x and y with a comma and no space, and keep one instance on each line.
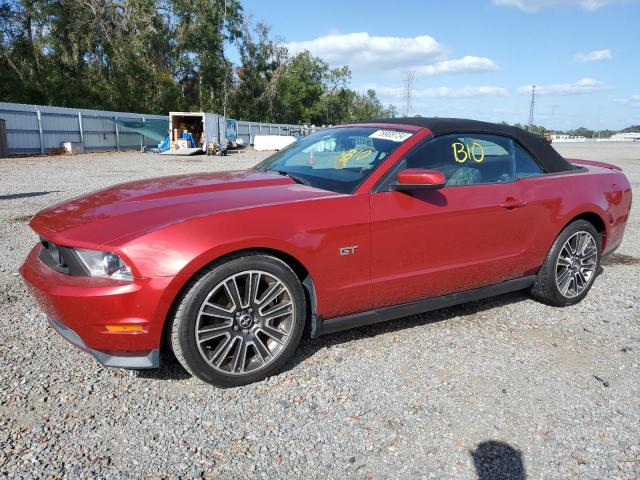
(475,59)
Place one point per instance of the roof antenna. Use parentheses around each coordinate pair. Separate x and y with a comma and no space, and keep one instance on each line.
(408,91)
(531,107)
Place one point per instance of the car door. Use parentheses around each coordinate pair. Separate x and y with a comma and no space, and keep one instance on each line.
(469,234)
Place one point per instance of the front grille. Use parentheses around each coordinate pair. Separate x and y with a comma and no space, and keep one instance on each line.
(62,259)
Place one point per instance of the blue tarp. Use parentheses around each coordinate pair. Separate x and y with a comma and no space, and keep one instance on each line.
(164,145)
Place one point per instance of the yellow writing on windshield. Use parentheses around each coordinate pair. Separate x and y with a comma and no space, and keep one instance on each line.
(355,154)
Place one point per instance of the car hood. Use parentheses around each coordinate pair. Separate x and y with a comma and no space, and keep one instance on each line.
(138,207)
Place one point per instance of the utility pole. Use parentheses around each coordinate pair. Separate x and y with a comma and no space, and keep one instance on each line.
(531,107)
(225,92)
(408,92)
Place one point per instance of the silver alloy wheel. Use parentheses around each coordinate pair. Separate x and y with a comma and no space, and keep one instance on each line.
(245,322)
(576,264)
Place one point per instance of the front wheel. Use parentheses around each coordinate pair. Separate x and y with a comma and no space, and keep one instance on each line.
(239,321)
(571,266)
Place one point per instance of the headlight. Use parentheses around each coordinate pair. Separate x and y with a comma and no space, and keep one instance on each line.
(104,264)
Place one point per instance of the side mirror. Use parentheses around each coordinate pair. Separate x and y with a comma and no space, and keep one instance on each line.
(419,179)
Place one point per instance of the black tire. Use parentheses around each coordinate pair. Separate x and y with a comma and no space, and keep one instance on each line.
(546,287)
(185,319)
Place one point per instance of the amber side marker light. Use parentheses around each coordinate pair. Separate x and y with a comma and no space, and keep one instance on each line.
(124,328)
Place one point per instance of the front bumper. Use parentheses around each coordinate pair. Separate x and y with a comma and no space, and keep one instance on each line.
(150,360)
(81,308)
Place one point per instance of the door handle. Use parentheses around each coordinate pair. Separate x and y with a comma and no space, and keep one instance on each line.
(512,203)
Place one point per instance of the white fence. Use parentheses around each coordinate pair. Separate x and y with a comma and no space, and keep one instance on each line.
(38,129)
(248,130)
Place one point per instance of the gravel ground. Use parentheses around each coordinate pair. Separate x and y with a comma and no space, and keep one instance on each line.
(504,385)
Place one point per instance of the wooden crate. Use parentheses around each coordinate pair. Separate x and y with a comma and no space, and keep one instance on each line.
(4,148)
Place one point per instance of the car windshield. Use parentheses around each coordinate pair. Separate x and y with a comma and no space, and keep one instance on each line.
(336,159)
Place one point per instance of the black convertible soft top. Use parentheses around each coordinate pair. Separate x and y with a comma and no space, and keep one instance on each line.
(550,160)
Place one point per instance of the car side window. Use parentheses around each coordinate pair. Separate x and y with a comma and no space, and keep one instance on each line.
(467,159)
(526,166)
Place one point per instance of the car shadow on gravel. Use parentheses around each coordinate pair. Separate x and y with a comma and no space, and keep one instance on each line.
(15,196)
(170,368)
(495,460)
(308,347)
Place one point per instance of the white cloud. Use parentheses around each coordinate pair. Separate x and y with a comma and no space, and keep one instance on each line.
(633,100)
(366,53)
(361,51)
(537,5)
(593,56)
(464,64)
(586,85)
(443,92)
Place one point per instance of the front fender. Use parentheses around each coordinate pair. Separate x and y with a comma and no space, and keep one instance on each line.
(179,281)
(313,233)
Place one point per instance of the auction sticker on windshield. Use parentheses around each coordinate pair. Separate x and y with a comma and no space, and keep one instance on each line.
(393,135)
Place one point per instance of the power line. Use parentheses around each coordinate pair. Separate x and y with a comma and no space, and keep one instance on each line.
(531,107)
(408,92)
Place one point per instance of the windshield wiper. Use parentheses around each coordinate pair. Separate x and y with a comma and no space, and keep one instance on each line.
(295,178)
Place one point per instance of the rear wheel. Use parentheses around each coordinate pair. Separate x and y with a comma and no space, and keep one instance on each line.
(570,267)
(239,321)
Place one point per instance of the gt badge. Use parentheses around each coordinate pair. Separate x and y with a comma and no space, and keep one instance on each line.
(344,251)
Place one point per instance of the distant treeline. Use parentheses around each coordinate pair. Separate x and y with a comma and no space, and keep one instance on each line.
(578,132)
(154,56)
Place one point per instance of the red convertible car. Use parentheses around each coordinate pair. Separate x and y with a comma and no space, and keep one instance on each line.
(350,226)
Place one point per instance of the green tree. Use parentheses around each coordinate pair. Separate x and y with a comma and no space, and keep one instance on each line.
(202,27)
(581,132)
(160,55)
(263,62)
(93,54)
